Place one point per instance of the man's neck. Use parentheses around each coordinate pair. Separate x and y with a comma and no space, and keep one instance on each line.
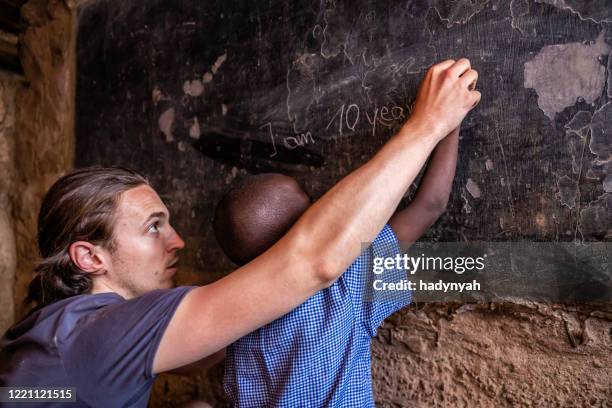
(102,286)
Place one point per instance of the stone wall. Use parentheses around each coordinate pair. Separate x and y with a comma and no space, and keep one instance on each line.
(44,122)
(8,87)
(497,355)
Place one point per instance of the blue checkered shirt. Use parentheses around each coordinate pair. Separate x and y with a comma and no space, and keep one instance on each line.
(319,354)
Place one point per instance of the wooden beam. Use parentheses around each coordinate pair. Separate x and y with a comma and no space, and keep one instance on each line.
(9,57)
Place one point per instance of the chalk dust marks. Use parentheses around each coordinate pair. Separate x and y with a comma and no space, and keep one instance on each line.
(300,91)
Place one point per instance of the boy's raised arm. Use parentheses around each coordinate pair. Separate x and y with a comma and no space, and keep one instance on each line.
(432,194)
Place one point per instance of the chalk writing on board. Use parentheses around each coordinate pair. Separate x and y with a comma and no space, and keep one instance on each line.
(301,139)
(348,117)
(290,142)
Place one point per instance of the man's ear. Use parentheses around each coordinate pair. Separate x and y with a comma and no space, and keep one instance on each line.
(88,257)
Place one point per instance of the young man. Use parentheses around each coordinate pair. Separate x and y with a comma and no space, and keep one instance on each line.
(319,354)
(107,321)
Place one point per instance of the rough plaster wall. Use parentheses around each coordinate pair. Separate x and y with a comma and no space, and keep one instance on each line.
(175,391)
(44,122)
(498,355)
(8,87)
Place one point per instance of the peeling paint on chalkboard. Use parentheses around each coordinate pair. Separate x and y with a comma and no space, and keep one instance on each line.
(194,129)
(560,74)
(193,88)
(166,120)
(208,76)
(472,188)
(220,60)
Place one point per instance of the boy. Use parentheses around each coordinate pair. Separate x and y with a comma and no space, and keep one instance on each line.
(319,354)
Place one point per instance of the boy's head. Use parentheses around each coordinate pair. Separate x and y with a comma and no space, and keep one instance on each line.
(257,212)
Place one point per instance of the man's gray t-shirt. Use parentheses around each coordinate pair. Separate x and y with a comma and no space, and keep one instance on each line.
(102,344)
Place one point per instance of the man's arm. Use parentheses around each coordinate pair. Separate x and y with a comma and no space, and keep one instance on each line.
(431,198)
(201,365)
(326,239)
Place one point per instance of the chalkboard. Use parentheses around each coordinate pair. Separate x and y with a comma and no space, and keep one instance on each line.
(198,94)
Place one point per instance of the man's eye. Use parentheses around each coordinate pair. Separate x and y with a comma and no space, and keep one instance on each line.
(154,227)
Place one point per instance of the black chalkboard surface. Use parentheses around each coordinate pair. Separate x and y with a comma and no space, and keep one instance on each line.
(197,94)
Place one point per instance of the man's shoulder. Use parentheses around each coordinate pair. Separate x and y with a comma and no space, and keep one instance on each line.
(57,320)
(62,319)
(104,309)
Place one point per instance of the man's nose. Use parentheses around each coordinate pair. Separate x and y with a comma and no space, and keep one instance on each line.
(175,242)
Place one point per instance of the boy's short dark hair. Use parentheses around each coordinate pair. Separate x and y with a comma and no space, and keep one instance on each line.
(255,213)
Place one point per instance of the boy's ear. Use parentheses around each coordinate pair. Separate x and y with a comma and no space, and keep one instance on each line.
(88,257)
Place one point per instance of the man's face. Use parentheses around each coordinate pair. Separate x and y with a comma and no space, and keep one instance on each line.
(146,245)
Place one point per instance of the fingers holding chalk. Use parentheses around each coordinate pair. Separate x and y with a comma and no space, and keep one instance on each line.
(472,86)
(469,79)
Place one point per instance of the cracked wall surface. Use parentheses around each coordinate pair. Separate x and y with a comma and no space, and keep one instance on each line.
(497,355)
(44,123)
(8,258)
(312,90)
